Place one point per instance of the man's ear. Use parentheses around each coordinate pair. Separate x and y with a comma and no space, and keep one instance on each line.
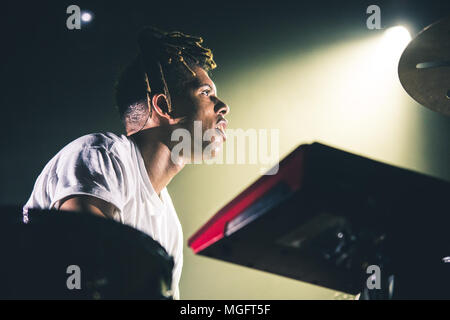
(161,106)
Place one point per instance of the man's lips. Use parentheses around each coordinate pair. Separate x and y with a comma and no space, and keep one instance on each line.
(222,126)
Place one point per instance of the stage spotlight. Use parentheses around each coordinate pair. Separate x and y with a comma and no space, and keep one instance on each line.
(397,37)
(86,16)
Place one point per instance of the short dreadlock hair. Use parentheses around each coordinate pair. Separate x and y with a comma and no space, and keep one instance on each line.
(165,63)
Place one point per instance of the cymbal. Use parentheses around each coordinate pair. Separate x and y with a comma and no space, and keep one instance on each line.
(424,67)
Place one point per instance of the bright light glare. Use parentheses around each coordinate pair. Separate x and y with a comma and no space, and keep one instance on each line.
(86,17)
(397,37)
(391,46)
(346,94)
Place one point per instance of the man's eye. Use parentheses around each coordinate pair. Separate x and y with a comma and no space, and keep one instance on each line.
(206,92)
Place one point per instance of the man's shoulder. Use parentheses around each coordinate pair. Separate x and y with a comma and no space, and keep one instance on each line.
(108,141)
(84,149)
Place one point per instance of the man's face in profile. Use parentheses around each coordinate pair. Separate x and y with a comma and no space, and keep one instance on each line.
(201,98)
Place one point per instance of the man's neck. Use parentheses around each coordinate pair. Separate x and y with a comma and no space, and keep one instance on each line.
(155,149)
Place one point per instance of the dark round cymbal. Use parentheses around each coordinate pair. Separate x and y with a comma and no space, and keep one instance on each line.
(424,67)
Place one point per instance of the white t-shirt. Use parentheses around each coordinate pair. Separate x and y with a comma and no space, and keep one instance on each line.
(111,168)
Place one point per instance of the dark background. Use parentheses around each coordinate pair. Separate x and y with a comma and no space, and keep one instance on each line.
(57,83)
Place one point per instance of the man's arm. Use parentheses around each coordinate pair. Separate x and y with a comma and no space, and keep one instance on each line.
(87,204)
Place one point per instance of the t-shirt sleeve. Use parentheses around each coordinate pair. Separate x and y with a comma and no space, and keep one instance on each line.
(176,294)
(92,171)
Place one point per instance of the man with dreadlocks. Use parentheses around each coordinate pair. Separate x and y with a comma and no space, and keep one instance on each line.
(165,88)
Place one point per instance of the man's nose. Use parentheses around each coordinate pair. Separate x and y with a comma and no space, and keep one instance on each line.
(222,107)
